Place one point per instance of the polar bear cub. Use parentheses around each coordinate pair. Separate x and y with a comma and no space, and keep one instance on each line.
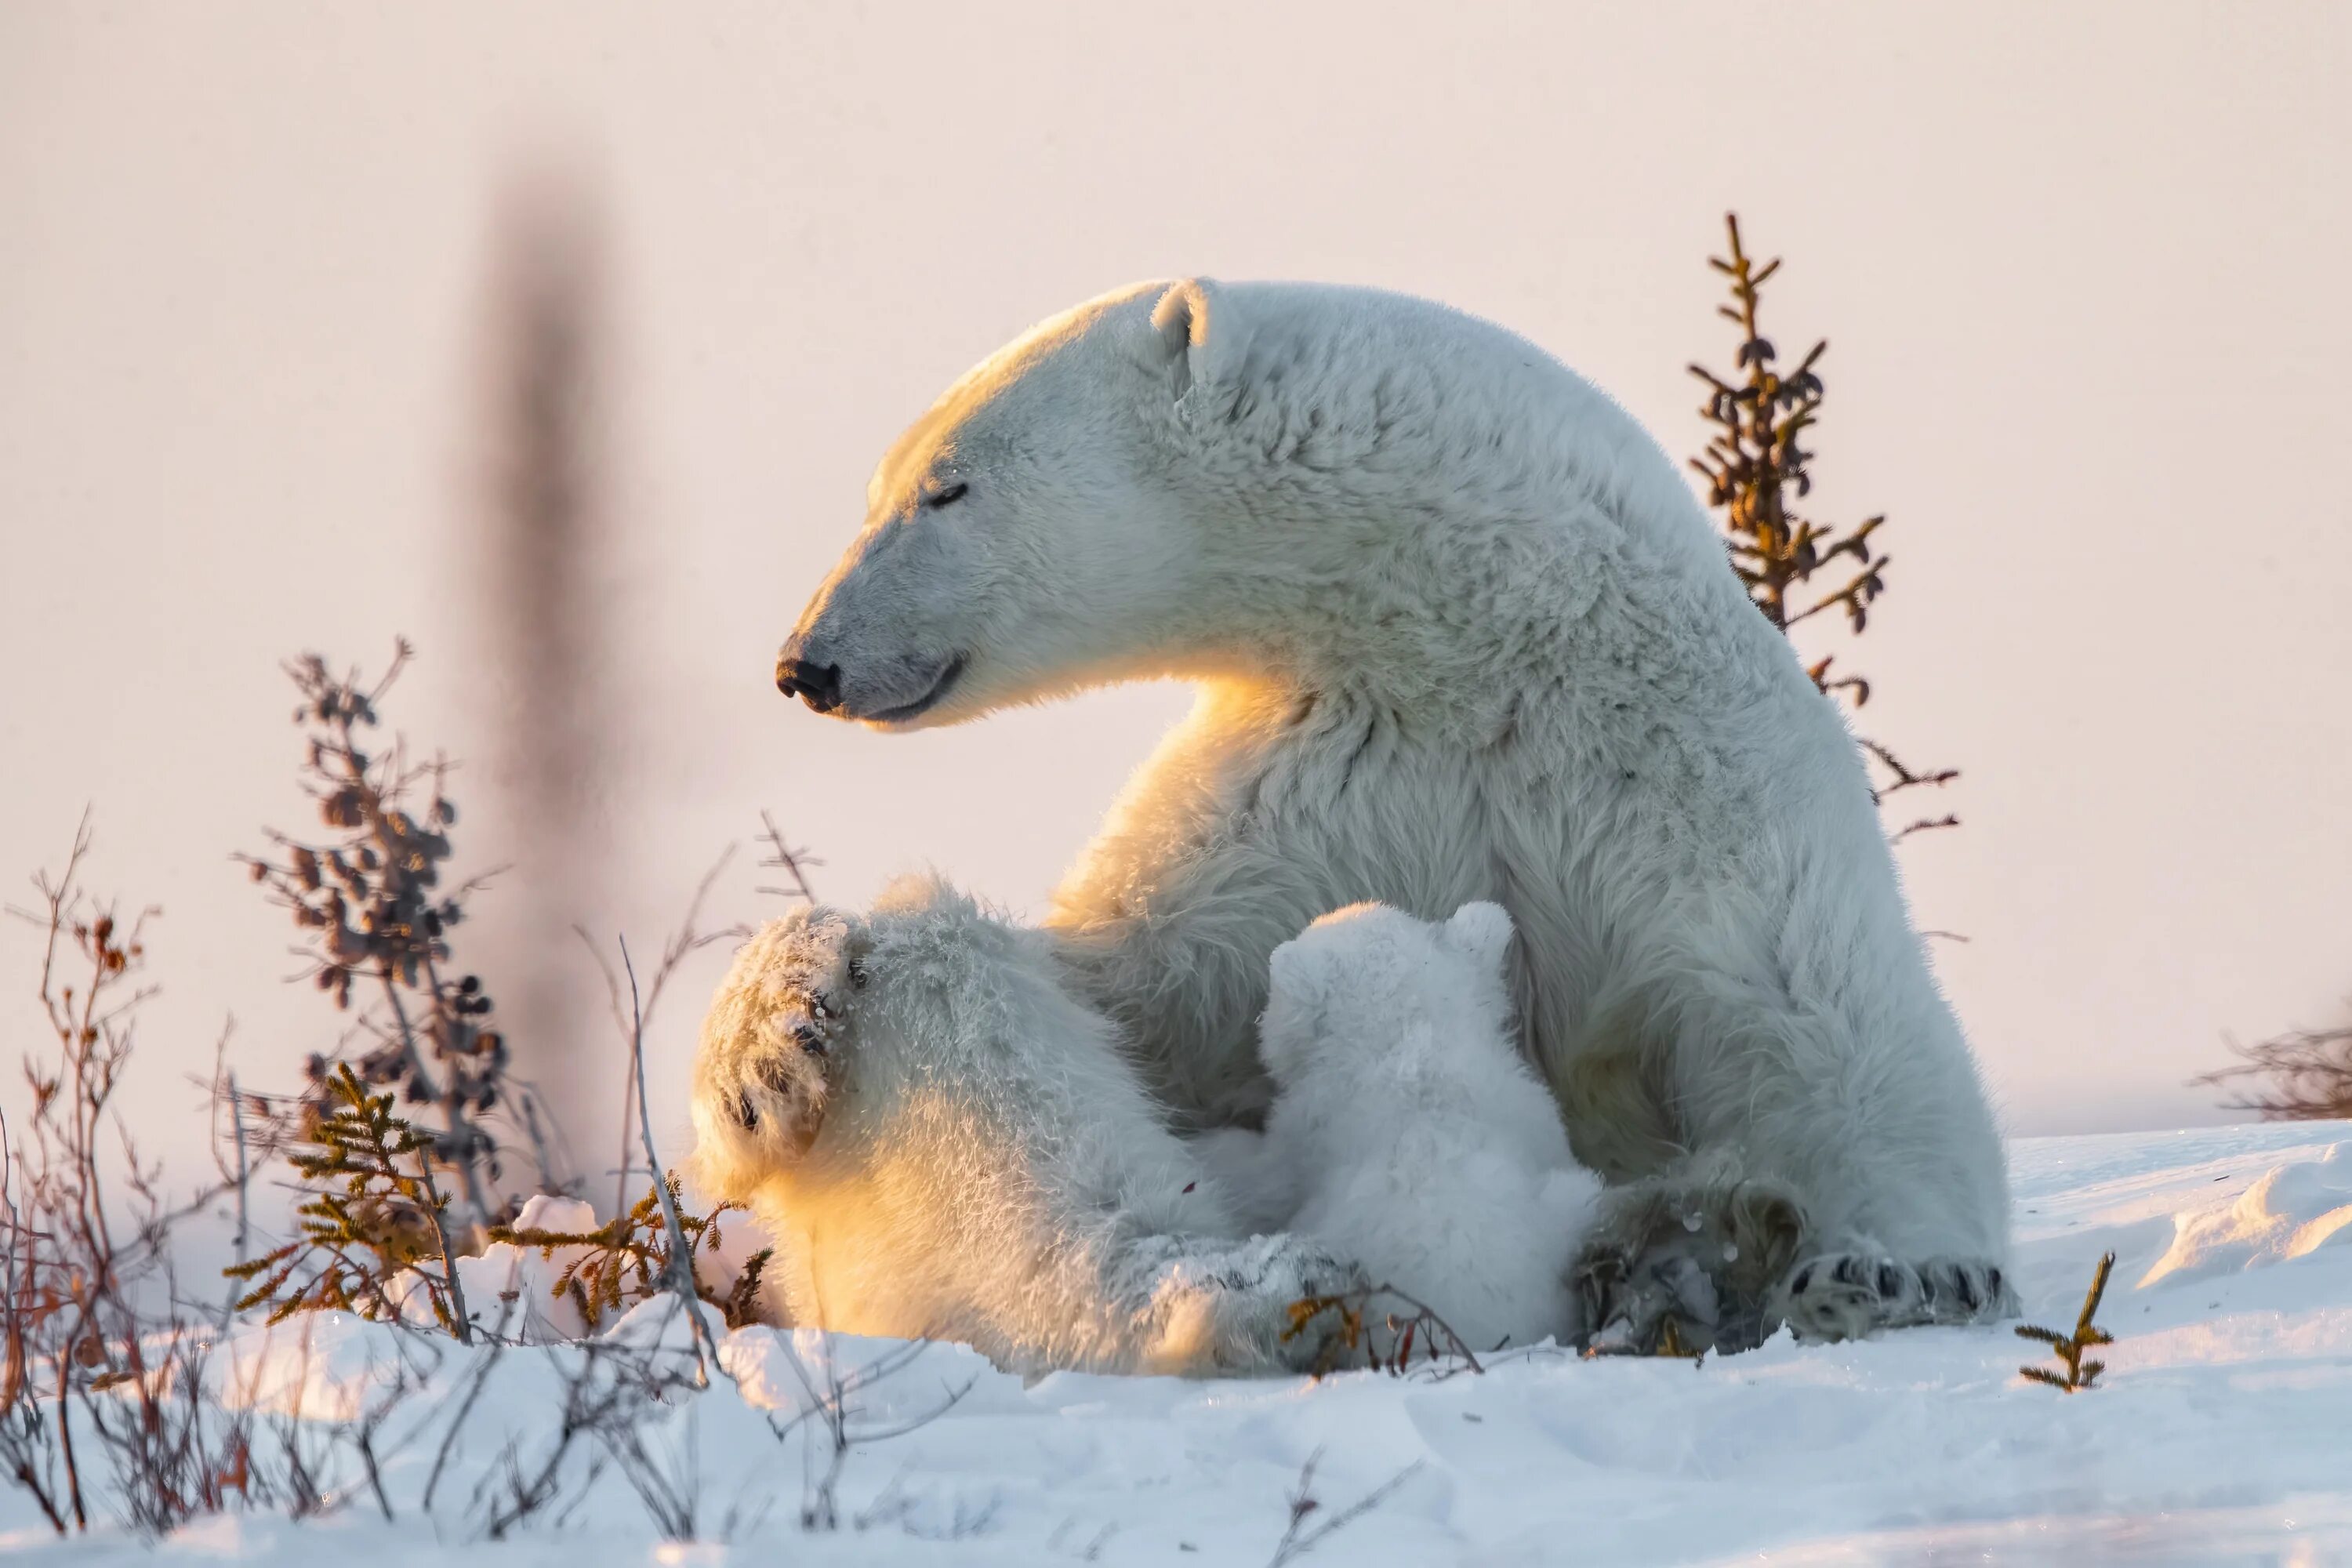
(1407,1135)
(944,1144)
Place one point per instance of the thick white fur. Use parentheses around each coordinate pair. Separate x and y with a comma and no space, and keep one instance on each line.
(1461,632)
(943,1143)
(1417,1143)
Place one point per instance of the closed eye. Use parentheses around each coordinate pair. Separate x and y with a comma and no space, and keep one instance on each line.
(946,496)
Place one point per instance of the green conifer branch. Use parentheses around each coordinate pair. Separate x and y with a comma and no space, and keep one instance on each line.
(2069,1348)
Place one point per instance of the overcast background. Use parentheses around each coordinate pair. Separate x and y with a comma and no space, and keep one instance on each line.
(2083,270)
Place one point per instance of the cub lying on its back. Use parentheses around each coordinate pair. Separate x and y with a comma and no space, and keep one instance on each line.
(1407,1134)
(944,1144)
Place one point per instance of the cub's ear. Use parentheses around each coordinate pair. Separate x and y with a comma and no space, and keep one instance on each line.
(1482,932)
(1298,971)
(1196,332)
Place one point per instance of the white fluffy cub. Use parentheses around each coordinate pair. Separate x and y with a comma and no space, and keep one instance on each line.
(943,1143)
(1408,1136)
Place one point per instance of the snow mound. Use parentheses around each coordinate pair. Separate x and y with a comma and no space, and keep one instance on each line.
(2218,1434)
(2290,1212)
(787,1369)
(317,1366)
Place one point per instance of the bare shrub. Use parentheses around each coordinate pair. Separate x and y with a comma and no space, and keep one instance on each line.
(99,1364)
(1351,1323)
(2303,1076)
(107,1394)
(832,1423)
(1306,1531)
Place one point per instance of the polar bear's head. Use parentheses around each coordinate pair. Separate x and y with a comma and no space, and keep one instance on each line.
(1232,480)
(1370,971)
(1027,535)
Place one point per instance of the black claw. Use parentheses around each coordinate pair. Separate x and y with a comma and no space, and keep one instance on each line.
(857,973)
(1890,1280)
(1804,1277)
(1969,1290)
(1847,1271)
(808,1039)
(746,1113)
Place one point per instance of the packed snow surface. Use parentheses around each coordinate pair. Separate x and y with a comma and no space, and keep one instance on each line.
(2222,1432)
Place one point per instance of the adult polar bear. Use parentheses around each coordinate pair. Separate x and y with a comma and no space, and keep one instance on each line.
(1461,632)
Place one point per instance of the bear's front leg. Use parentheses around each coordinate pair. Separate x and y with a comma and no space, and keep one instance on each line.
(1687,1260)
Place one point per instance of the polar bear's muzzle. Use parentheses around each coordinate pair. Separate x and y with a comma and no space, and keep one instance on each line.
(898,695)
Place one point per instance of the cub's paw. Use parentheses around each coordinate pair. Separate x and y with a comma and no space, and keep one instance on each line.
(1850,1295)
(775,1040)
(1258,1306)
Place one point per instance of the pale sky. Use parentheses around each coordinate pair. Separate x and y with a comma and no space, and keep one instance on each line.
(2083,270)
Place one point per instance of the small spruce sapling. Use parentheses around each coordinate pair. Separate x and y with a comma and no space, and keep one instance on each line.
(376,1215)
(1756,470)
(2069,1348)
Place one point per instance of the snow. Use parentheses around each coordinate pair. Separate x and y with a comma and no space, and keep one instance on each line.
(2219,1434)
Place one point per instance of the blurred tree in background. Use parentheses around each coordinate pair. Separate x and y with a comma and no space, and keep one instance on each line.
(2304,1075)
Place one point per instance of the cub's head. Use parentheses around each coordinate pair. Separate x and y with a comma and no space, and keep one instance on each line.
(1029,535)
(1371,970)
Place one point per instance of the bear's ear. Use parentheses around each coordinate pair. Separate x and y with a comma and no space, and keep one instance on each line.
(1195,332)
(1481,932)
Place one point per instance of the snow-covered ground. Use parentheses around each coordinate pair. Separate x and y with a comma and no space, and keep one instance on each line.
(2222,1432)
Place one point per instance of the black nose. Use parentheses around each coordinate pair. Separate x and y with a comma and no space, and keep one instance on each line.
(818,685)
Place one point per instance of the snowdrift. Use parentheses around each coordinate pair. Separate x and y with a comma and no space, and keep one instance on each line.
(2221,1433)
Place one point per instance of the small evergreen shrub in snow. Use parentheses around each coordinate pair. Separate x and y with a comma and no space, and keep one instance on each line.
(2069,1348)
(1756,469)
(376,1227)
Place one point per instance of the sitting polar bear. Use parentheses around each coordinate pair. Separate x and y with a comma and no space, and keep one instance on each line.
(943,1145)
(1461,632)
